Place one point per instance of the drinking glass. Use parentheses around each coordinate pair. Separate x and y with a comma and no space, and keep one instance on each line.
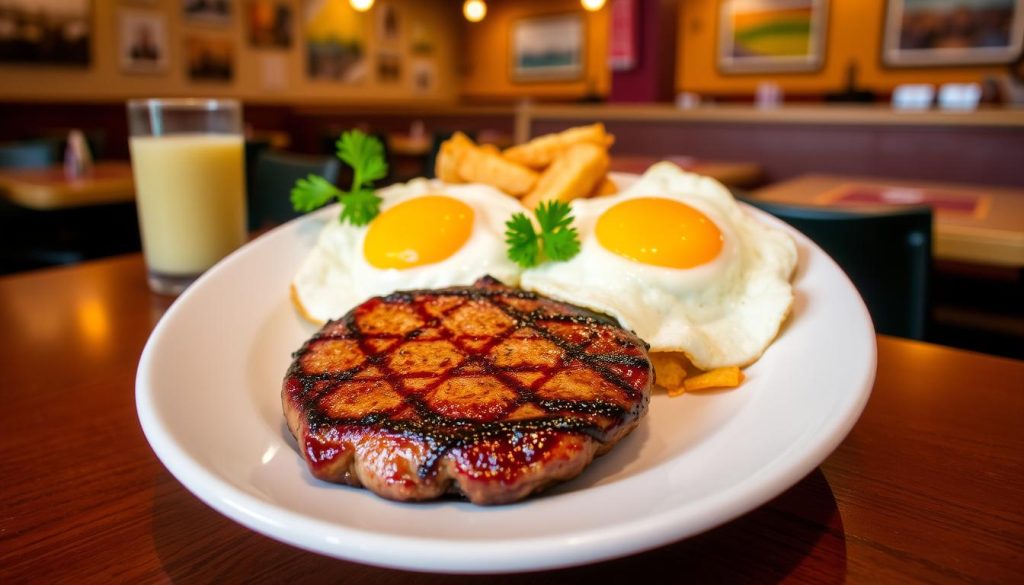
(189,167)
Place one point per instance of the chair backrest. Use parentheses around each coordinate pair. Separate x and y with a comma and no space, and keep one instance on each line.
(253,149)
(27,155)
(886,252)
(273,179)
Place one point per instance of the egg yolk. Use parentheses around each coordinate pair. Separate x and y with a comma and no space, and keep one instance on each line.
(660,232)
(419,231)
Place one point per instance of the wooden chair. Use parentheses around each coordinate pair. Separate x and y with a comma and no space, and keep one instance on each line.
(269,193)
(29,154)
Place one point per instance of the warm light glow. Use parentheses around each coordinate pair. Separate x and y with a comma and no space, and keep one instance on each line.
(269,454)
(474,10)
(592,5)
(93,322)
(361,5)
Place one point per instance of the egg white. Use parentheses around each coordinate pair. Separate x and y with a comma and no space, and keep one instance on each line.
(335,276)
(722,313)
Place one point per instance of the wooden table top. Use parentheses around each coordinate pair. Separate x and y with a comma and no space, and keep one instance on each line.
(974,224)
(49,188)
(731,173)
(927,487)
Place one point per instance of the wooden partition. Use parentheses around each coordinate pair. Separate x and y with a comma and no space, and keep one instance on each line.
(305,127)
(311,124)
(984,147)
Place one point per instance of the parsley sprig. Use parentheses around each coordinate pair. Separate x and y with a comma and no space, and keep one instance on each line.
(359,205)
(557,239)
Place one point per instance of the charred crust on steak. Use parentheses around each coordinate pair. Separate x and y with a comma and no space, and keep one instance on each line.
(465,387)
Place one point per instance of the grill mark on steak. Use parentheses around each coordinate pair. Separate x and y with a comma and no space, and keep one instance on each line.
(414,416)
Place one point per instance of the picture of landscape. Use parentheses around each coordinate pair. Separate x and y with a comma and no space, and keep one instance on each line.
(771,35)
(953,32)
(548,48)
(778,33)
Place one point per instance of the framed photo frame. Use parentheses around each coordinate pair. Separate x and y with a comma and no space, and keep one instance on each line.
(548,48)
(424,76)
(946,32)
(209,58)
(389,24)
(143,41)
(336,42)
(270,24)
(772,36)
(216,12)
(61,32)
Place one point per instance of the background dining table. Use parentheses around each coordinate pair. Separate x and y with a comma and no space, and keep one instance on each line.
(977,224)
(928,486)
(51,188)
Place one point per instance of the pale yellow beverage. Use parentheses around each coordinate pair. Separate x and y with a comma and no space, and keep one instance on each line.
(190,190)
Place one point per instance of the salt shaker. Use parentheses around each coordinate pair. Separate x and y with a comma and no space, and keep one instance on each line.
(77,158)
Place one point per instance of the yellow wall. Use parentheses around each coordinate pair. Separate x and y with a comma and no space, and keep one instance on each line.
(486,63)
(104,80)
(472,58)
(854,34)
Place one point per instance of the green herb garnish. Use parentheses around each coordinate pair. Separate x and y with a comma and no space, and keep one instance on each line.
(557,239)
(359,205)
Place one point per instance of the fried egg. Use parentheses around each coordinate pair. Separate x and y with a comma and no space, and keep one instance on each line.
(428,235)
(674,258)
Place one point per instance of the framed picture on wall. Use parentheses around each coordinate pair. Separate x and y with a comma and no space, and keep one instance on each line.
(143,41)
(389,66)
(389,24)
(57,32)
(270,23)
(548,48)
(424,76)
(772,36)
(207,11)
(209,58)
(952,32)
(336,42)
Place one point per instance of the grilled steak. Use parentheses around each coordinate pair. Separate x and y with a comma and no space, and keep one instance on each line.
(485,391)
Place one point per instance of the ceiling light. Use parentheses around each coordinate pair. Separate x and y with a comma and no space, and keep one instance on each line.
(474,10)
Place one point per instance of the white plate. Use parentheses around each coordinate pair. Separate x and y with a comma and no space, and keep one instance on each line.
(208,398)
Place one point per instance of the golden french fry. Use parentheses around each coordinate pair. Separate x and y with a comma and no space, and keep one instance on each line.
(729,377)
(572,175)
(543,150)
(669,370)
(479,166)
(446,168)
(605,187)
